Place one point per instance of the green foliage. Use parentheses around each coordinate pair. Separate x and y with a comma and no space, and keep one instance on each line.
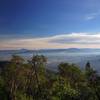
(3,94)
(31,80)
(61,90)
(71,72)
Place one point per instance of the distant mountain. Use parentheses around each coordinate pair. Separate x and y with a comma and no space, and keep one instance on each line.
(82,50)
(71,50)
(50,50)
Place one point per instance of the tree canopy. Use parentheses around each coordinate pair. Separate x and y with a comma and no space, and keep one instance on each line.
(31,80)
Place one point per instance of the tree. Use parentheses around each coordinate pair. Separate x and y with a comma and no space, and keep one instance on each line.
(37,77)
(71,72)
(88,66)
(62,90)
(92,79)
(12,76)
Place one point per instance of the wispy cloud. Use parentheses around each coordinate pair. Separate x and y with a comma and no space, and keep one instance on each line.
(92,16)
(80,40)
(77,38)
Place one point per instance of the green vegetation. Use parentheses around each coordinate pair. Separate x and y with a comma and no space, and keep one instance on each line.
(21,80)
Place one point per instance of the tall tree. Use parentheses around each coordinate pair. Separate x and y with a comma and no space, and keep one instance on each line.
(11,76)
(37,75)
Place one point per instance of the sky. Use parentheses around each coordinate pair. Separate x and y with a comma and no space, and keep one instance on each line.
(46,24)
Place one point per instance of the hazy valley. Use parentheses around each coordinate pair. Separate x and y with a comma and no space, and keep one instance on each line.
(56,56)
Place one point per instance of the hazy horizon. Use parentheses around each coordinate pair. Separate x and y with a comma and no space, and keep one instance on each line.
(52,49)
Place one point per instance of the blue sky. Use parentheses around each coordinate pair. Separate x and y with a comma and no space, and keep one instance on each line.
(30,20)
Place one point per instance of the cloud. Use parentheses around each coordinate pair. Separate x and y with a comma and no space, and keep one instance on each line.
(80,40)
(92,16)
(77,38)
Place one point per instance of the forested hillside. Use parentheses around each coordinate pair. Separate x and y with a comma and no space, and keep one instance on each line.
(21,80)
